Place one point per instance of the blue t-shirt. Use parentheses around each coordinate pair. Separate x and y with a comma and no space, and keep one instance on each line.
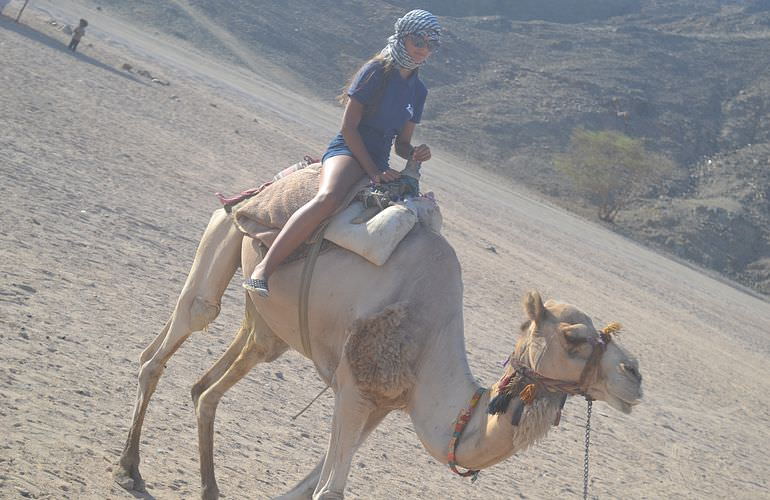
(401,100)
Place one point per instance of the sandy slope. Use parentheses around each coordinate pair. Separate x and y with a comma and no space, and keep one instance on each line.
(107,182)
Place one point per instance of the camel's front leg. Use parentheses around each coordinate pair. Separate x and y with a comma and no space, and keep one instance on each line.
(351,414)
(304,489)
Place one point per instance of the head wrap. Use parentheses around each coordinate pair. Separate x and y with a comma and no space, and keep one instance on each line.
(420,22)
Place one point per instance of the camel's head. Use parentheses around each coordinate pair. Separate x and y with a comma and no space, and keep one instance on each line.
(558,341)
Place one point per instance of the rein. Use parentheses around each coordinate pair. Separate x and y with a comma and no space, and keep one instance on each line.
(587,376)
(527,395)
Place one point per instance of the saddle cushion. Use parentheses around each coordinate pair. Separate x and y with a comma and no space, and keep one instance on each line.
(374,239)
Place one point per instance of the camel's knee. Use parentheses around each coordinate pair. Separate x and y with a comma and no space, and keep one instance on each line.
(149,373)
(202,313)
(147,354)
(155,345)
(206,408)
(196,391)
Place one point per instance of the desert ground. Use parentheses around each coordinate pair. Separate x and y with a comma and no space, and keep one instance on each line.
(108,179)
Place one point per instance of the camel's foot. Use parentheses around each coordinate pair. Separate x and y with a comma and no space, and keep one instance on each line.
(129,478)
(296,495)
(210,493)
(329,495)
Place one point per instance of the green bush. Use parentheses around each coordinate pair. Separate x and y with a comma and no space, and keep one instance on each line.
(609,169)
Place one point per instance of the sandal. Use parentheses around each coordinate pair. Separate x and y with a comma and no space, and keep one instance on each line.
(257,285)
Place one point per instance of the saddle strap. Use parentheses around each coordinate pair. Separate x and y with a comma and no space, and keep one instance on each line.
(304,287)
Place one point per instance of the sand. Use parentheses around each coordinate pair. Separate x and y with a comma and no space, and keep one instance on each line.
(107,182)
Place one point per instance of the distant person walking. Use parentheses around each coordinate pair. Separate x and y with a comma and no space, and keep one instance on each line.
(77,34)
(383,103)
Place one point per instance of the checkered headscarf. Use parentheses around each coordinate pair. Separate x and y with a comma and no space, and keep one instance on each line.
(417,21)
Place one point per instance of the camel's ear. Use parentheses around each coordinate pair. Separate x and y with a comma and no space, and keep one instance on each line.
(574,334)
(533,305)
(574,338)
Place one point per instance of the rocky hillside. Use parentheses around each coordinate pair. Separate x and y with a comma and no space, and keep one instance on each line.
(512,79)
(722,223)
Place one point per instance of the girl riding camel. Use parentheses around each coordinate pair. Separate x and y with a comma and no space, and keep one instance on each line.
(383,102)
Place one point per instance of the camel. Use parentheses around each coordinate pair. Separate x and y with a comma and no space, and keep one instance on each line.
(383,338)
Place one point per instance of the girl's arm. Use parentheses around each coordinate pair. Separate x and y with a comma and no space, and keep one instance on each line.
(404,147)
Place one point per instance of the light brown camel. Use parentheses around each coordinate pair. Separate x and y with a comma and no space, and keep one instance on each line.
(384,338)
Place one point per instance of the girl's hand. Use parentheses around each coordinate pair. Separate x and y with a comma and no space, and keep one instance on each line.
(387,176)
(421,153)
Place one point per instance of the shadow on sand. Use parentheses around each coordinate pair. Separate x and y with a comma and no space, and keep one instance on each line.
(23,29)
(143,495)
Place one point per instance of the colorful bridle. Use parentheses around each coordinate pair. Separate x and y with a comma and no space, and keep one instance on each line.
(526,384)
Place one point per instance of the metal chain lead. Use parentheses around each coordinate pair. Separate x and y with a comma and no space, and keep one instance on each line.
(588,443)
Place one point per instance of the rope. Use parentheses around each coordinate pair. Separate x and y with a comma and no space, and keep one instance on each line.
(310,403)
(588,444)
(304,289)
(304,295)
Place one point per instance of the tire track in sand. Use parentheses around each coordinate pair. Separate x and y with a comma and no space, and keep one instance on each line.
(244,54)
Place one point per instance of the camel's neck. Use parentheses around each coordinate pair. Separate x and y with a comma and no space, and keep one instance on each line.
(445,386)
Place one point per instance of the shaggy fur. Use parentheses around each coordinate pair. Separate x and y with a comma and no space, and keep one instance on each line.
(380,354)
(536,420)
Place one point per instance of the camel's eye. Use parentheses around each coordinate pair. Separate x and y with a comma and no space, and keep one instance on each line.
(525,326)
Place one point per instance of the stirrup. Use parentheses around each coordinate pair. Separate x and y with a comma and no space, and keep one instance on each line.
(257,285)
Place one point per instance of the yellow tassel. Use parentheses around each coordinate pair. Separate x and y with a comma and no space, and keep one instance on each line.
(612,328)
(527,395)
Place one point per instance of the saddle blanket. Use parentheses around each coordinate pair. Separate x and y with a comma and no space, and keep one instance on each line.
(369,232)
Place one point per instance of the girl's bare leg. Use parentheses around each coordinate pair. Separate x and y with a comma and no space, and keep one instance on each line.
(338,176)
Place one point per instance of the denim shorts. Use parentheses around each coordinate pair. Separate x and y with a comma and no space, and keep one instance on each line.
(338,148)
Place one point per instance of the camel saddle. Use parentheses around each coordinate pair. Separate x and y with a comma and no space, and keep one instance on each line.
(371,230)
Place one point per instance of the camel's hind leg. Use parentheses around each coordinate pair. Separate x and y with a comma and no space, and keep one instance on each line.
(216,260)
(223,363)
(262,345)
